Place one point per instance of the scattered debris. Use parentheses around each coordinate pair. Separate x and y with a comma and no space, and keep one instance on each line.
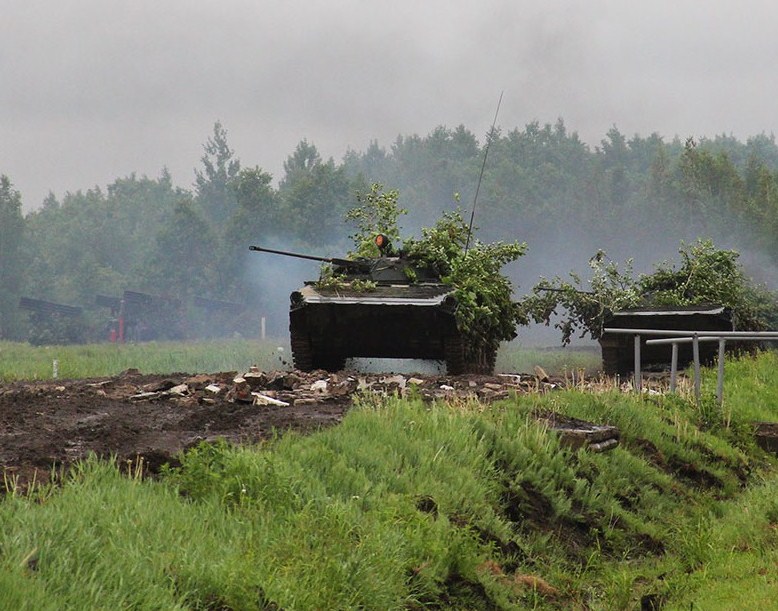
(145,396)
(131,415)
(577,434)
(260,399)
(180,389)
(319,386)
(766,435)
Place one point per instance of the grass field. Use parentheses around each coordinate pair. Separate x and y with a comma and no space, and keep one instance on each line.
(408,505)
(24,362)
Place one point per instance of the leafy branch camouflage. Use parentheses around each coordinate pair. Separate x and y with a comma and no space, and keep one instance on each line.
(706,275)
(377,212)
(486,313)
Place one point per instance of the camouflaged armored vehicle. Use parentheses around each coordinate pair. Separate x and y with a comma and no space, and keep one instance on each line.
(618,350)
(384,307)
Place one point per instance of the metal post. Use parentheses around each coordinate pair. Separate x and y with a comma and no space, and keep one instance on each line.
(678,336)
(121,321)
(674,367)
(696,352)
(638,377)
(262,327)
(720,380)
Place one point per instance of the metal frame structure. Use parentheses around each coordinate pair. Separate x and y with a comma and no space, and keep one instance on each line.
(695,337)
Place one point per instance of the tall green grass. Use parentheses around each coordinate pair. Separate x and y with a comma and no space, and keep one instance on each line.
(750,389)
(408,506)
(24,362)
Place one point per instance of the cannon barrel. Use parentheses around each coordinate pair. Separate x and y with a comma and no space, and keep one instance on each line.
(334,260)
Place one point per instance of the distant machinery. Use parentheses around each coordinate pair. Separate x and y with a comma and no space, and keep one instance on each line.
(53,323)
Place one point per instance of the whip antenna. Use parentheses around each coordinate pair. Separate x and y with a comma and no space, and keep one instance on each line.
(481,175)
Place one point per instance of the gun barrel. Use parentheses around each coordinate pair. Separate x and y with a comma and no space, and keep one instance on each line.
(289,254)
(336,261)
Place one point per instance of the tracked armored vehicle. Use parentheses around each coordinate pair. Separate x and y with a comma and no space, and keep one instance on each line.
(385,307)
(618,350)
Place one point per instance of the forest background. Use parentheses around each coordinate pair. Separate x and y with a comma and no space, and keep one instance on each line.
(637,197)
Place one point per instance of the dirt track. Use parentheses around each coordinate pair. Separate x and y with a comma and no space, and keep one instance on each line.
(54,423)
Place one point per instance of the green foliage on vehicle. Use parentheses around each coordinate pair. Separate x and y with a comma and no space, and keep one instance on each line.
(706,275)
(486,313)
(376,212)
(709,275)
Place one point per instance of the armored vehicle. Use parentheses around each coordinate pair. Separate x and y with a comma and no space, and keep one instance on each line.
(618,350)
(384,307)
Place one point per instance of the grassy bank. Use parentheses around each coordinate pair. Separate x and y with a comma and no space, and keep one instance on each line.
(410,506)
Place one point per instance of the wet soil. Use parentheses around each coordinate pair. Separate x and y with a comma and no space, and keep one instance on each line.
(52,424)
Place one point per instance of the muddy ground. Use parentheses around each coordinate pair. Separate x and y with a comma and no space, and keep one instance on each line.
(47,425)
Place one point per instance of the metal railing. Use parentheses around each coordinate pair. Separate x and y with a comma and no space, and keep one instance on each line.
(695,337)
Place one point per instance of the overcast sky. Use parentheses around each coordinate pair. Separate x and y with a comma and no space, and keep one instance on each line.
(93,90)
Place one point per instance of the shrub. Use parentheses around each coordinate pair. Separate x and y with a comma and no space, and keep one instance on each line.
(706,275)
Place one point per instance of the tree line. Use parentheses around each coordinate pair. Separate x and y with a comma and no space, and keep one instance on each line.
(543,185)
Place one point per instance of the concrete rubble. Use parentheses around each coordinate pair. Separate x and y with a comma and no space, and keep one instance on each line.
(279,389)
(297,387)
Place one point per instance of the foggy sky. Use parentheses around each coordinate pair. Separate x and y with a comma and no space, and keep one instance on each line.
(93,90)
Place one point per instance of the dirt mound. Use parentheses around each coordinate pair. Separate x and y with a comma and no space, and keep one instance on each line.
(46,425)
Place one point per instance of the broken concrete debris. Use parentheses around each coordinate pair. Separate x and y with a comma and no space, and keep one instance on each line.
(284,388)
(319,387)
(281,389)
(577,434)
(260,399)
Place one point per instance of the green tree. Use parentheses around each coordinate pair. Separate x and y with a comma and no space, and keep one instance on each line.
(304,158)
(313,197)
(97,242)
(213,184)
(713,190)
(66,244)
(134,209)
(762,189)
(11,263)
(182,263)
(256,214)
(254,222)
